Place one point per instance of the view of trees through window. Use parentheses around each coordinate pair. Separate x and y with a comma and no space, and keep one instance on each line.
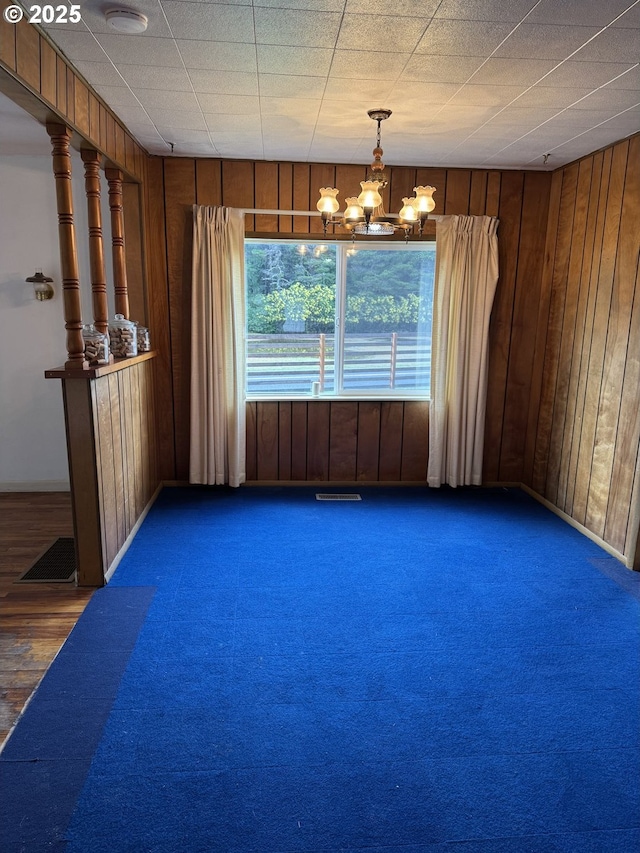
(338,318)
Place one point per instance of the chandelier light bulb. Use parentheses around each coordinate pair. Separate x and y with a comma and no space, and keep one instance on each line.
(354,211)
(424,199)
(328,204)
(370,198)
(408,212)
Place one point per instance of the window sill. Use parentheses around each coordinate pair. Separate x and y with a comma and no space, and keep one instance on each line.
(336,398)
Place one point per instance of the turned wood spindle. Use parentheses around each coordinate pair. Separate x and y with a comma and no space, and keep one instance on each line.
(91,159)
(114,177)
(60,138)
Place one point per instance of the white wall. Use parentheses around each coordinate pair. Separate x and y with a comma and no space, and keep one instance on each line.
(33,454)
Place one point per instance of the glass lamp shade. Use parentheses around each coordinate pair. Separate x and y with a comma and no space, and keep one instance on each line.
(370,197)
(408,211)
(354,211)
(328,203)
(424,199)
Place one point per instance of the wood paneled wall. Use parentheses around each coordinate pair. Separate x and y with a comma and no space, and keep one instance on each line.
(339,441)
(111,436)
(519,199)
(38,77)
(583,446)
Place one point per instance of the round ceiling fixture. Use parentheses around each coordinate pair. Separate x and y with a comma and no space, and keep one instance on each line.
(126,21)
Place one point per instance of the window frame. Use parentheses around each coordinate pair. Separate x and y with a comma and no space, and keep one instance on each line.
(342,248)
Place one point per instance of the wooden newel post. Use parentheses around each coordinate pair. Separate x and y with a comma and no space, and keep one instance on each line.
(91,160)
(60,139)
(114,177)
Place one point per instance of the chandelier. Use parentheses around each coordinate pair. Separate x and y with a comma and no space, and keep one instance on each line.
(365,213)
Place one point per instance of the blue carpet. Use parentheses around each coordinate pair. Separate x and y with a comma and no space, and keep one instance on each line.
(420,672)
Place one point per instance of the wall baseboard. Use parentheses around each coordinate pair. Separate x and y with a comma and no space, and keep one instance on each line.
(125,547)
(36,486)
(576,524)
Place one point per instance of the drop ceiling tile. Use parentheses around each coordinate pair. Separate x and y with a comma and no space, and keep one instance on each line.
(381,32)
(576,74)
(310,5)
(100,72)
(159,99)
(185,119)
(179,136)
(229,104)
(359,64)
(238,150)
(630,18)
(503,71)
(521,118)
(463,38)
(609,99)
(400,8)
(276,59)
(224,82)
(485,10)
(132,116)
(290,86)
(448,69)
(628,80)
(93,18)
(296,28)
(488,96)
(418,95)
(540,41)
(221,123)
(218,55)
(208,21)
(306,108)
(196,149)
(366,91)
(117,96)
(143,77)
(546,96)
(79,45)
(149,51)
(586,12)
(612,45)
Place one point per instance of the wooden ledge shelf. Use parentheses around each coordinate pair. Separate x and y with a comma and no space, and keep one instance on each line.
(96,372)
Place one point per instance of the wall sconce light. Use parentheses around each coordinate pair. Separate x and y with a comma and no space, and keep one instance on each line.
(42,285)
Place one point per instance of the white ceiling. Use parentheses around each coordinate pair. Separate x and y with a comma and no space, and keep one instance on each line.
(477,83)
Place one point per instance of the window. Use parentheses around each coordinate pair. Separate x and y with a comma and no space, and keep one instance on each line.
(338,319)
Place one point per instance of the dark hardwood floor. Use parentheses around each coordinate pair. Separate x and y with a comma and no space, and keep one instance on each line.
(35,618)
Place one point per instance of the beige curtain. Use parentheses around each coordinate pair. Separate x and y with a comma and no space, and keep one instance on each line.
(218,421)
(465,284)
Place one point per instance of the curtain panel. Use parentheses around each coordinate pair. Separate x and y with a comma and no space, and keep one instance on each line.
(218,427)
(465,283)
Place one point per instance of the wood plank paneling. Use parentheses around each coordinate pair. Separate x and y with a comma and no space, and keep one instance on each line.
(588,438)
(368,441)
(159,318)
(251,465)
(267,440)
(510,213)
(112,447)
(28,54)
(208,182)
(81,109)
(7,43)
(612,206)
(318,419)
(344,441)
(266,196)
(180,187)
(415,441)
(48,72)
(299,441)
(391,429)
(284,441)
(526,300)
